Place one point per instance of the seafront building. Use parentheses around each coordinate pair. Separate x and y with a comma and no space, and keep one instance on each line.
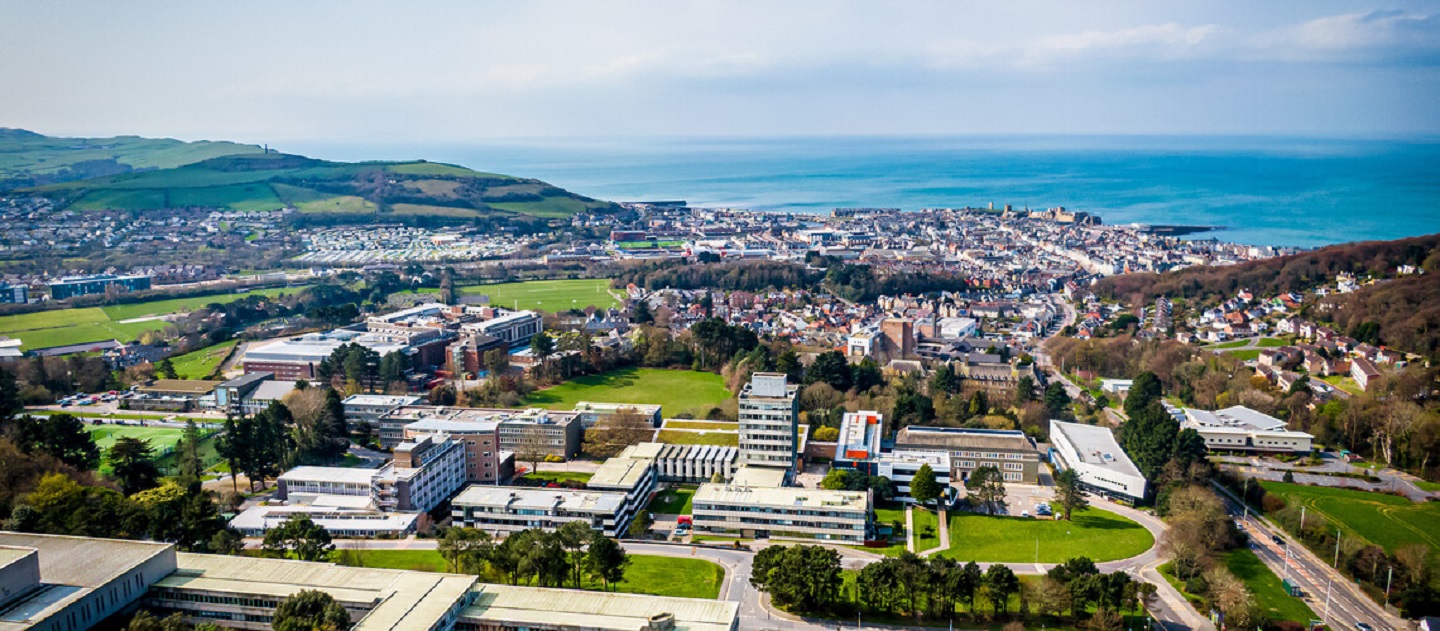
(57,583)
(1091,451)
(769,410)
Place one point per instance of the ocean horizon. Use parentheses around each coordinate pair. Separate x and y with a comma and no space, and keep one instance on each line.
(1282,191)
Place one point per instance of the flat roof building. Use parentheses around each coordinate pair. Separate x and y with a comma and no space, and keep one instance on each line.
(72,286)
(1010,451)
(794,513)
(769,412)
(506,509)
(1238,428)
(57,583)
(592,412)
(551,431)
(690,463)
(1102,466)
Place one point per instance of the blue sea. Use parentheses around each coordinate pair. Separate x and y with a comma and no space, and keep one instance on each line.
(1266,191)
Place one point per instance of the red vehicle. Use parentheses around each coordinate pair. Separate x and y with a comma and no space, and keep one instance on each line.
(685,520)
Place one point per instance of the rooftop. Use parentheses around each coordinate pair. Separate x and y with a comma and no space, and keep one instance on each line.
(963,437)
(1234,417)
(346,475)
(620,472)
(520,497)
(190,386)
(607,611)
(755,476)
(787,497)
(1096,446)
(395,400)
(70,568)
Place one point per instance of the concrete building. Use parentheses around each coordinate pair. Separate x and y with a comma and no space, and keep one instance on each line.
(72,286)
(230,395)
(514,328)
(340,515)
(631,473)
(591,412)
(1010,451)
(485,462)
(507,509)
(425,472)
(54,583)
(899,336)
(769,411)
(690,463)
(518,430)
(1103,468)
(298,357)
(368,408)
(1238,428)
(14,294)
(859,447)
(794,513)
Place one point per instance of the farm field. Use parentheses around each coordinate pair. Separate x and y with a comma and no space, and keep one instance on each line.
(1384,520)
(199,364)
(1094,533)
(677,391)
(548,295)
(64,327)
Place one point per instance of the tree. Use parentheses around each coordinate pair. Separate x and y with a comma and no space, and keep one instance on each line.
(640,524)
(497,361)
(1000,583)
(804,578)
(987,485)
(310,610)
(573,537)
(299,537)
(1056,398)
(465,549)
(62,436)
(132,463)
(614,433)
(830,367)
(543,345)
(1144,390)
(165,369)
(532,446)
(392,368)
(448,295)
(606,560)
(1068,493)
(1024,390)
(187,453)
(923,486)
(640,313)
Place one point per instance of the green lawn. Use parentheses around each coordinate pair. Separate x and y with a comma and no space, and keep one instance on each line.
(548,295)
(1385,520)
(1268,591)
(200,364)
(1426,485)
(674,501)
(647,574)
(1344,382)
(63,327)
(721,439)
(1246,355)
(1231,344)
(559,207)
(161,438)
(677,391)
(1271,342)
(559,476)
(1099,535)
(701,425)
(927,530)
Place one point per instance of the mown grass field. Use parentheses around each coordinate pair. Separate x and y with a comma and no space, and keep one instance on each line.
(161,438)
(1099,535)
(559,476)
(201,363)
(702,425)
(1269,592)
(1385,520)
(719,439)
(676,501)
(676,391)
(647,574)
(548,295)
(63,327)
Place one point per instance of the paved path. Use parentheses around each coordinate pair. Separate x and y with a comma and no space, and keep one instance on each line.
(910,528)
(1274,470)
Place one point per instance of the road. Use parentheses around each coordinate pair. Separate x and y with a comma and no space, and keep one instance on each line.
(1325,589)
(1269,469)
(1169,608)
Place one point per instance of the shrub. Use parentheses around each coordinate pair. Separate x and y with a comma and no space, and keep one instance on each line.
(1272,503)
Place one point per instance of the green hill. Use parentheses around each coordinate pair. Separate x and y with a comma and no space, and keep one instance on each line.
(31,159)
(267,181)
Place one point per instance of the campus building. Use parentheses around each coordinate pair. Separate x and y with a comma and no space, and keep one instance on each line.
(1102,467)
(1010,451)
(424,473)
(368,408)
(72,286)
(769,412)
(514,328)
(485,462)
(1238,428)
(795,513)
(630,473)
(506,509)
(859,447)
(518,430)
(56,583)
(591,412)
(690,463)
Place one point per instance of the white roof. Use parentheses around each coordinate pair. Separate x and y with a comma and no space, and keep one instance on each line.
(1096,446)
(789,497)
(1234,417)
(517,497)
(381,399)
(346,475)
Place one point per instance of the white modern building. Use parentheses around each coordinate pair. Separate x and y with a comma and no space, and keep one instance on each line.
(769,422)
(514,328)
(424,472)
(340,515)
(368,408)
(859,448)
(1101,465)
(507,509)
(1239,428)
(631,473)
(794,513)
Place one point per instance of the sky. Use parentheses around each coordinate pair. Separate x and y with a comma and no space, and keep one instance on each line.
(475,71)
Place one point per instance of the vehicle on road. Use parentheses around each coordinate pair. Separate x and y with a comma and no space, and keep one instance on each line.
(1363,627)
(1278,540)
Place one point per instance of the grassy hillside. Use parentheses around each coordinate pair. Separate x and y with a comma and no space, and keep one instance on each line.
(31,159)
(384,190)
